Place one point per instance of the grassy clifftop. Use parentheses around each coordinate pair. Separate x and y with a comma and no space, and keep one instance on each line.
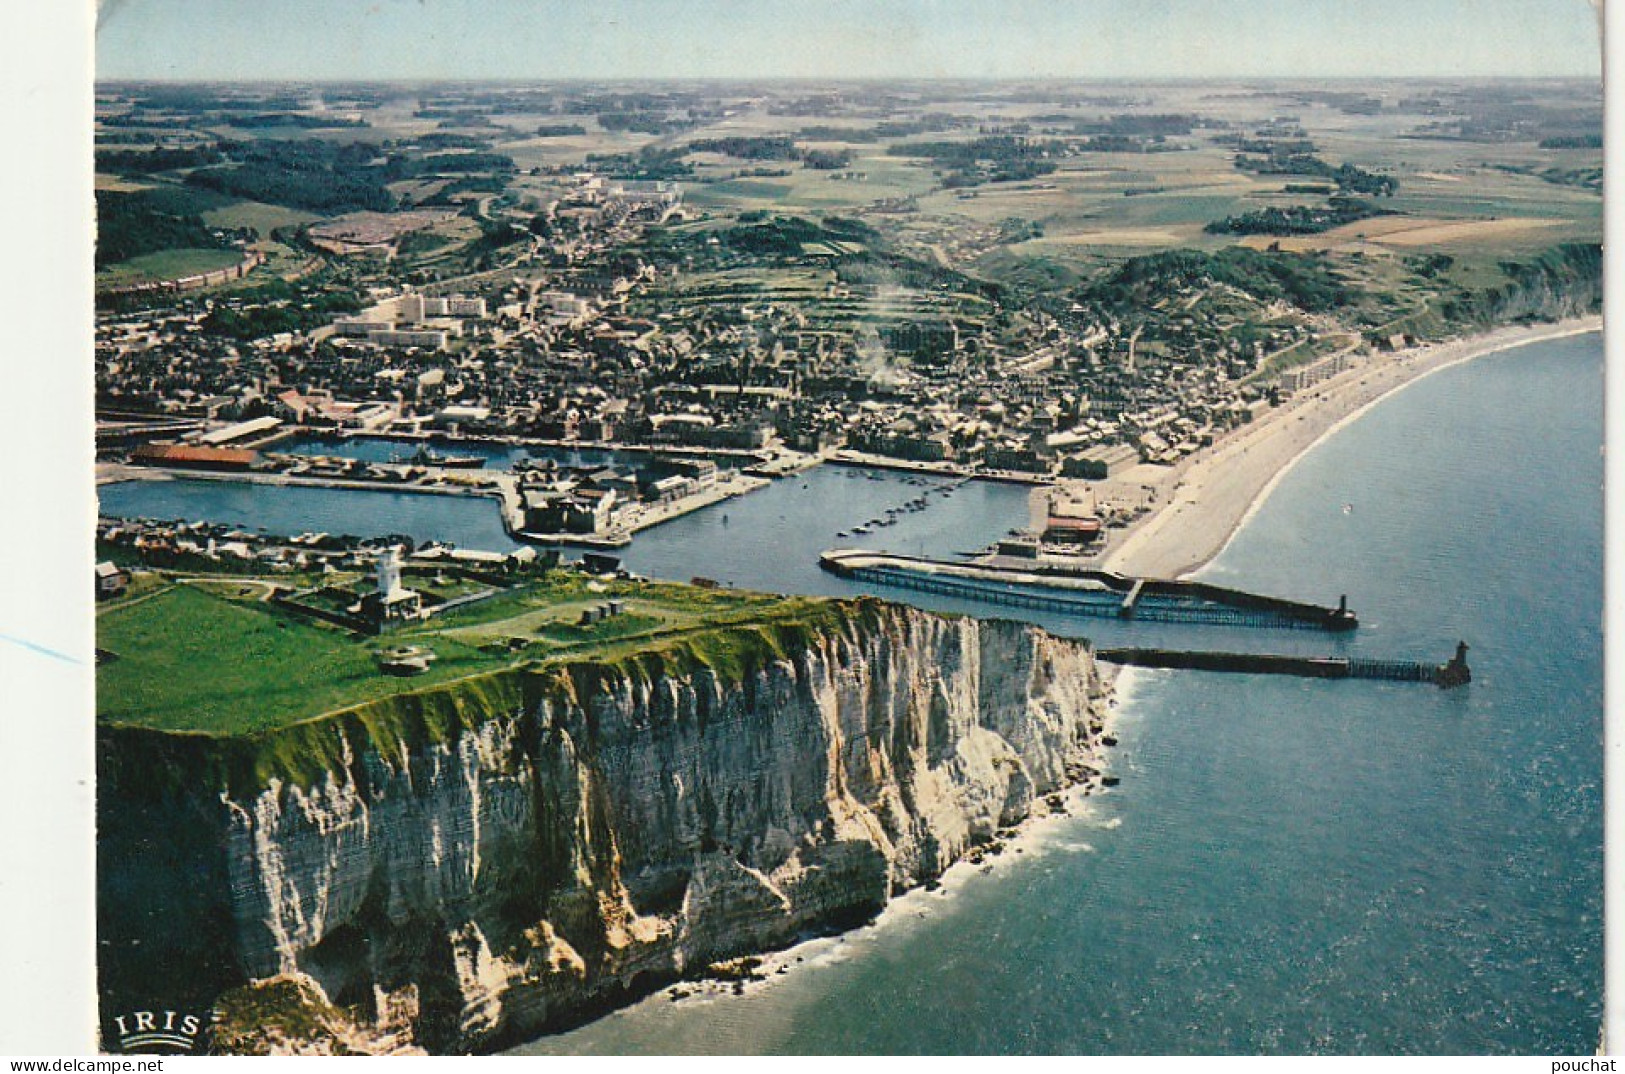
(223,688)
(213,656)
(148,763)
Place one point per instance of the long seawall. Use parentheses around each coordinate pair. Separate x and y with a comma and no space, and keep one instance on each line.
(1086,591)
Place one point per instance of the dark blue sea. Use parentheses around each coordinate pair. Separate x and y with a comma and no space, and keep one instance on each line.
(1288,865)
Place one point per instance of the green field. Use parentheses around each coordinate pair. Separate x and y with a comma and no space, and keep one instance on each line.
(738,191)
(210,656)
(196,661)
(257,215)
(166,265)
(113,182)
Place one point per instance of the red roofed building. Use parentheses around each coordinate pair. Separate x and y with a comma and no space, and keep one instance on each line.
(190,457)
(1072,520)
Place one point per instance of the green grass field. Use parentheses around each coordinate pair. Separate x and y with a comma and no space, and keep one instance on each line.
(166,265)
(738,192)
(191,660)
(208,655)
(257,215)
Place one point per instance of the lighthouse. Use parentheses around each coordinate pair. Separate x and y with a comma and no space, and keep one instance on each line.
(1455,672)
(389,572)
(392,600)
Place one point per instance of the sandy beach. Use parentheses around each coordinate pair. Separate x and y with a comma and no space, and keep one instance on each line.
(1202,501)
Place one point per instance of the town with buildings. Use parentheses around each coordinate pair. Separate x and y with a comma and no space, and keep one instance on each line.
(563,542)
(573,354)
(709,344)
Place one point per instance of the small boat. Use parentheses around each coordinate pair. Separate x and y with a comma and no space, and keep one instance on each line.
(424,457)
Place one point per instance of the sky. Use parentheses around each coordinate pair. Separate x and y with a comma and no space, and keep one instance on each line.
(612,39)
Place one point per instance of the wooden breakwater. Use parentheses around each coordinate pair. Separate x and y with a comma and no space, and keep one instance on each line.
(1453,672)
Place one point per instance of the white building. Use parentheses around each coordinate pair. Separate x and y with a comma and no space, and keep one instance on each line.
(412,320)
(428,339)
(393,600)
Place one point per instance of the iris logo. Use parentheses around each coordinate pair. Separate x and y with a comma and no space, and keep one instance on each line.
(157,1031)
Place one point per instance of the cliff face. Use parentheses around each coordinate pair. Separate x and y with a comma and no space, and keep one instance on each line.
(604,829)
(1564,281)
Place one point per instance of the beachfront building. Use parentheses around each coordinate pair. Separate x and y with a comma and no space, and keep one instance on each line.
(1073,519)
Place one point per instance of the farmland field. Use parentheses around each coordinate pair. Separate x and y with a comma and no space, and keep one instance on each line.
(1504,195)
(1181,157)
(166,265)
(257,215)
(1407,232)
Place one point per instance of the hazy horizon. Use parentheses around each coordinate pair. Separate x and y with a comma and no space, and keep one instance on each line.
(876,80)
(842,40)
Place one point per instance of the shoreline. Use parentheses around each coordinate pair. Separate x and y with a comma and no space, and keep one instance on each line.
(1333,405)
(1215,492)
(1074,801)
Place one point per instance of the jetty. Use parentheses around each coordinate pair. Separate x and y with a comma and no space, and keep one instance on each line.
(1072,590)
(1452,673)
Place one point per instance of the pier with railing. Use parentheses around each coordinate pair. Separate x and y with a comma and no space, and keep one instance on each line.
(1074,591)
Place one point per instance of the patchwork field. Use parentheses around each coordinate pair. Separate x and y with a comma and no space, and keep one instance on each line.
(1406,232)
(1484,173)
(113,182)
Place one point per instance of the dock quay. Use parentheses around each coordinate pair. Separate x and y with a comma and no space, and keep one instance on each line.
(1132,601)
(866,461)
(499,486)
(1071,590)
(742,456)
(1453,672)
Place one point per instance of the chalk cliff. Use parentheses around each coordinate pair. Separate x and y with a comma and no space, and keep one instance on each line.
(463,867)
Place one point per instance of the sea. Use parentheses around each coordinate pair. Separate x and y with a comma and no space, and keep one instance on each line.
(1288,865)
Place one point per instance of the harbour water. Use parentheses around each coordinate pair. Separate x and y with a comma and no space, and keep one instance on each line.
(1288,865)
(497,456)
(289,510)
(1292,865)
